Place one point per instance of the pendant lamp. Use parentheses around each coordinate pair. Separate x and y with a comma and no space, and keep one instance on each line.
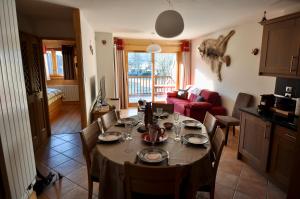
(169,23)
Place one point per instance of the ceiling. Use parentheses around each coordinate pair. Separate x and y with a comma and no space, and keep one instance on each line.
(136,18)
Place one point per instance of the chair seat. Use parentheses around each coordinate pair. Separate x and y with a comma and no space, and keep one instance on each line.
(228,120)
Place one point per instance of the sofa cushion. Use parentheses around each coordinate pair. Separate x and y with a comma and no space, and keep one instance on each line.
(192,97)
(211,97)
(182,94)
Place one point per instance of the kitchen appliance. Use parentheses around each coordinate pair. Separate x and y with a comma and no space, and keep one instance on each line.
(266,102)
(285,104)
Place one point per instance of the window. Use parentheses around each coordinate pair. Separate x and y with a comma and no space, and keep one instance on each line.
(54,63)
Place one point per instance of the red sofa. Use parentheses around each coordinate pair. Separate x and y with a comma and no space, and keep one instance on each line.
(189,107)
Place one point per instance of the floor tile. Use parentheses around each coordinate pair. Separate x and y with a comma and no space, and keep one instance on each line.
(67,167)
(239,195)
(223,192)
(59,189)
(56,160)
(80,158)
(252,188)
(64,147)
(250,173)
(72,152)
(274,192)
(227,180)
(233,167)
(70,137)
(54,141)
(77,193)
(79,177)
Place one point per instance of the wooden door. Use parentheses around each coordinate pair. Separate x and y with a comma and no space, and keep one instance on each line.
(282,155)
(33,69)
(254,140)
(280,48)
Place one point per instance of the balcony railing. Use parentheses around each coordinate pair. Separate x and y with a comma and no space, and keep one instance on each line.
(141,86)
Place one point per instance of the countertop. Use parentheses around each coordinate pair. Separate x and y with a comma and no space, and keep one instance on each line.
(271,118)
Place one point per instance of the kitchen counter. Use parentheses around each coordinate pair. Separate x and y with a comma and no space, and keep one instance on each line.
(273,119)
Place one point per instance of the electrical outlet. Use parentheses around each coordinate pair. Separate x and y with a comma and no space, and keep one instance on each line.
(288,89)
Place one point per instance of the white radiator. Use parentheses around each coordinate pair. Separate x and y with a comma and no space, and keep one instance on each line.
(71,92)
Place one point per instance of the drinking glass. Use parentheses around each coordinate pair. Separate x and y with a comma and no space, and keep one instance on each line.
(128,129)
(141,116)
(176,117)
(153,132)
(177,130)
(159,111)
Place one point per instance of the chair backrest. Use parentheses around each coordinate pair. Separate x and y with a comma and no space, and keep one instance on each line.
(166,107)
(109,119)
(218,142)
(243,100)
(153,180)
(210,123)
(89,138)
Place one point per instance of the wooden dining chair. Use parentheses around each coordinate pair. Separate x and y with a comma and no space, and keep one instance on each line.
(169,108)
(152,181)
(89,137)
(109,119)
(243,100)
(218,142)
(210,122)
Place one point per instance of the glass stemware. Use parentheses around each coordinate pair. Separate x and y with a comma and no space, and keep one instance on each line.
(128,129)
(141,116)
(177,130)
(159,112)
(176,117)
(153,132)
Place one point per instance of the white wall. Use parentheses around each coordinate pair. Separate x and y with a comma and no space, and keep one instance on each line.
(89,62)
(105,61)
(47,28)
(242,74)
(16,152)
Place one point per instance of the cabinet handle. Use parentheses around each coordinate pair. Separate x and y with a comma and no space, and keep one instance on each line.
(292,64)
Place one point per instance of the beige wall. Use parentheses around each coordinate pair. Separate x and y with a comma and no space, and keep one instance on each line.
(89,63)
(105,61)
(242,75)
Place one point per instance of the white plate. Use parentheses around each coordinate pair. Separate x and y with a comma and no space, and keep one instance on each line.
(191,123)
(110,136)
(152,155)
(196,139)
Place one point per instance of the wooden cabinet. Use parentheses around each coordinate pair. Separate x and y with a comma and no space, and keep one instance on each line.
(254,141)
(282,155)
(281,47)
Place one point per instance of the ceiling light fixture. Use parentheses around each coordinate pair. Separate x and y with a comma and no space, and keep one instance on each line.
(169,23)
(153,48)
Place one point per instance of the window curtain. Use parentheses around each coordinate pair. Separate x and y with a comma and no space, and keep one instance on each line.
(68,62)
(121,73)
(186,62)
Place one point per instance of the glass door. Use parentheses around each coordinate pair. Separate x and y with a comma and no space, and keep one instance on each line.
(151,76)
(165,75)
(139,77)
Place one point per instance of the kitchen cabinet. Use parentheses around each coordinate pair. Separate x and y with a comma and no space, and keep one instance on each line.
(254,141)
(281,47)
(282,155)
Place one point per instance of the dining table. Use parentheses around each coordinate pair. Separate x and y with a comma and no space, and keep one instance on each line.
(108,159)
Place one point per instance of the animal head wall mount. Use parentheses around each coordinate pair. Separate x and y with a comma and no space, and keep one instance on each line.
(213,51)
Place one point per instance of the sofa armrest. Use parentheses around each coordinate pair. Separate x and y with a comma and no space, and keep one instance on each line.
(172,94)
(218,110)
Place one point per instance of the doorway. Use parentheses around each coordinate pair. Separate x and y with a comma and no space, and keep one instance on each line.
(151,76)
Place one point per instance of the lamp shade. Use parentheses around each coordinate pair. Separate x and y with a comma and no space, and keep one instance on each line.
(153,48)
(169,24)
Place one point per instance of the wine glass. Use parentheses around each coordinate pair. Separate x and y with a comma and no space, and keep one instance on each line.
(128,129)
(176,117)
(159,112)
(141,116)
(153,132)
(177,130)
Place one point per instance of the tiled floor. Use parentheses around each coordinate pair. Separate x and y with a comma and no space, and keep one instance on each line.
(63,154)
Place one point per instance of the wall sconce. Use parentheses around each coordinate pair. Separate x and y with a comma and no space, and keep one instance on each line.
(255,51)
